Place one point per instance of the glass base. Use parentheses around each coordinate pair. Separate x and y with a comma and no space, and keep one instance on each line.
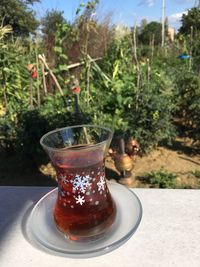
(90,235)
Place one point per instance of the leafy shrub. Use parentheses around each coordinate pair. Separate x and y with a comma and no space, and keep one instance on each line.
(32,124)
(196,53)
(9,123)
(188,102)
(160,179)
(150,119)
(143,111)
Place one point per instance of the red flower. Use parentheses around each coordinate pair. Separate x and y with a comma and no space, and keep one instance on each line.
(34,74)
(76,90)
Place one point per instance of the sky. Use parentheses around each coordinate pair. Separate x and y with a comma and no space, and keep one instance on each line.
(127,12)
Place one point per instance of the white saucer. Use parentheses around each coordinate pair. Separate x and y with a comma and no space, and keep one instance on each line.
(44,231)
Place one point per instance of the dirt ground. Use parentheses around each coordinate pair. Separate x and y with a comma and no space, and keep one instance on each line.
(181,158)
(175,162)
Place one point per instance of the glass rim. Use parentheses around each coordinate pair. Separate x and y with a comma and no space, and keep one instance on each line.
(49,148)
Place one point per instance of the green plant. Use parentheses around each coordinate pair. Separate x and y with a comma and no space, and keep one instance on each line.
(19,15)
(32,124)
(191,19)
(196,173)
(196,53)
(188,102)
(160,179)
(151,30)
(14,82)
(139,103)
(64,32)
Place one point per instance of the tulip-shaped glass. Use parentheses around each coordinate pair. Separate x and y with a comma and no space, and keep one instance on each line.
(84,208)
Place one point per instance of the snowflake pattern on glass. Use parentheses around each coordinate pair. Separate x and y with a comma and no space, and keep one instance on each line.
(80,200)
(101,183)
(81,183)
(81,186)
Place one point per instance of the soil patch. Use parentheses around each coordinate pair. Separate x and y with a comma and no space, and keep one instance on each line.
(181,159)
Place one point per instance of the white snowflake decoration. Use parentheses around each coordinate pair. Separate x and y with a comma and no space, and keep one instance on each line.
(101,183)
(81,183)
(80,200)
(66,181)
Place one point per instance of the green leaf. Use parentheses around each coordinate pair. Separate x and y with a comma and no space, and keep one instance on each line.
(63,56)
(116,68)
(58,49)
(7,70)
(63,67)
(119,99)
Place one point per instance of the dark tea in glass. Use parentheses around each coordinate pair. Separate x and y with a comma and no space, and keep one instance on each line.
(84,207)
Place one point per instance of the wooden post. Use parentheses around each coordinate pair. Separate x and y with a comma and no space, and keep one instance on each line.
(148,72)
(136,63)
(43,78)
(38,80)
(163,23)
(152,47)
(51,73)
(78,64)
(31,93)
(88,82)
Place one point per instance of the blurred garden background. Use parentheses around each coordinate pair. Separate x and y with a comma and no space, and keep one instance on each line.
(143,81)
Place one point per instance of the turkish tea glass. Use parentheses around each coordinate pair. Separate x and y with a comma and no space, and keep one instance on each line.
(84,208)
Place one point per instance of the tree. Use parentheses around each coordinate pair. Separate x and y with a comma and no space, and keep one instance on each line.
(50,24)
(19,15)
(143,24)
(191,19)
(152,28)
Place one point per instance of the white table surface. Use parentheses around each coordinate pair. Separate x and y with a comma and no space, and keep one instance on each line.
(168,235)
